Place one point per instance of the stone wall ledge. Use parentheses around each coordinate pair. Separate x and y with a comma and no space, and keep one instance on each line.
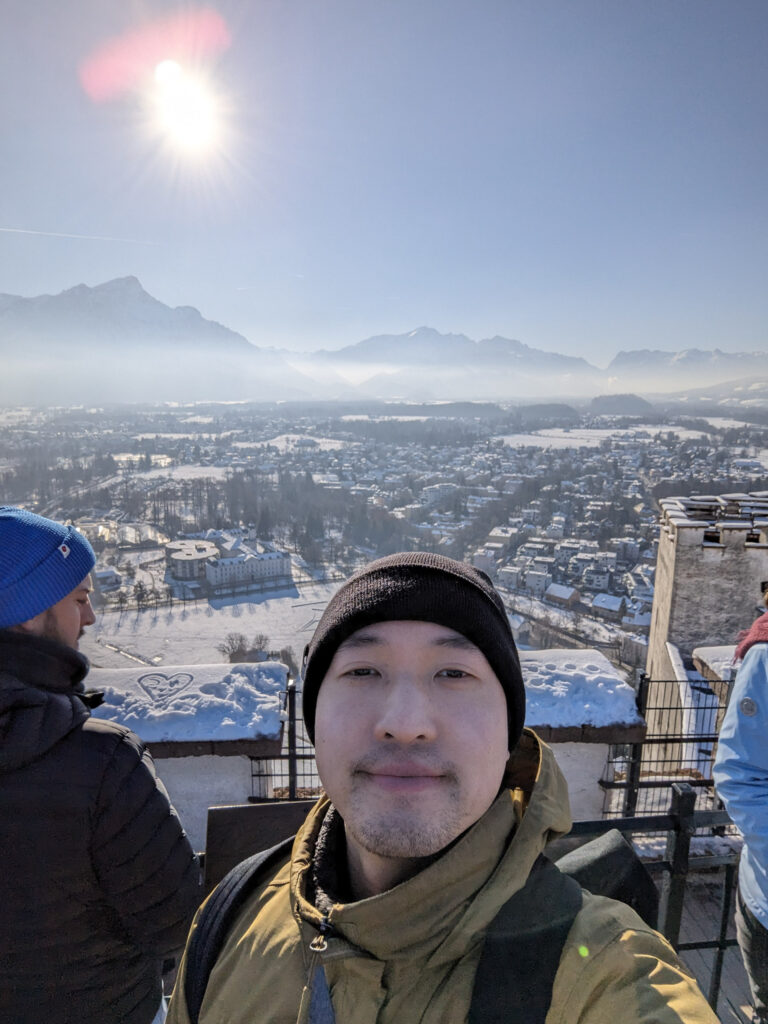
(223,748)
(617,733)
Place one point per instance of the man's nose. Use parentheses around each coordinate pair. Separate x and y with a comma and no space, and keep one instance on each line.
(87,618)
(407,713)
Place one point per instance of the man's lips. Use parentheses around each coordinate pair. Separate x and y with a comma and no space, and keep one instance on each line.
(402,775)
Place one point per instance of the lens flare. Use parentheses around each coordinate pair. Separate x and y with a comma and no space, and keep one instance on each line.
(119,64)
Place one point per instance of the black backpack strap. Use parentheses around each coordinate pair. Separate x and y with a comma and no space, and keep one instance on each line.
(217,917)
(522,949)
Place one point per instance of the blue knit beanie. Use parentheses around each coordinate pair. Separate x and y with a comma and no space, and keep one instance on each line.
(40,562)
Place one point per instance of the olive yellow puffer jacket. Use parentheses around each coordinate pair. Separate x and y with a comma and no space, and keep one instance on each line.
(410,954)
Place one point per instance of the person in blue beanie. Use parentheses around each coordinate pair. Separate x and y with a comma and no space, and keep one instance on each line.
(98,882)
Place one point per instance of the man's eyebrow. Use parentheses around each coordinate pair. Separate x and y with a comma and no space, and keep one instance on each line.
(360,639)
(366,639)
(456,641)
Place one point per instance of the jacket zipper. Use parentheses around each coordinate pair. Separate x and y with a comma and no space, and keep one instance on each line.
(317,947)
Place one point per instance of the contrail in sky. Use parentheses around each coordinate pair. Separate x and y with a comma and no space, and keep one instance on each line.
(90,238)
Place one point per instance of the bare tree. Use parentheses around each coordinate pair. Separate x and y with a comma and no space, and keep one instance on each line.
(140,595)
(260,642)
(234,646)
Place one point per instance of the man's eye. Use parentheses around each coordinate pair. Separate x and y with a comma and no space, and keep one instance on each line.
(453,673)
(359,672)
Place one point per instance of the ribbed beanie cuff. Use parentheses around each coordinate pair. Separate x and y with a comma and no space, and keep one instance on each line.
(419,586)
(41,561)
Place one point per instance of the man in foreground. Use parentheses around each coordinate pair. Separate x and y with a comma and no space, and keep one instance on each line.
(98,881)
(437,808)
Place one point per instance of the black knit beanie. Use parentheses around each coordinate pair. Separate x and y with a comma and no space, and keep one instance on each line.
(423,587)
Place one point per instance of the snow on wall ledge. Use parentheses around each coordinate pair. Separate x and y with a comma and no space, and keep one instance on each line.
(575,688)
(194,702)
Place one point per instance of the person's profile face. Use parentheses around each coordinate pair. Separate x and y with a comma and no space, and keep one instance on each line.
(66,620)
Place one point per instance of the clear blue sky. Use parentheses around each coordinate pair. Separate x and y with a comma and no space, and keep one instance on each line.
(583,175)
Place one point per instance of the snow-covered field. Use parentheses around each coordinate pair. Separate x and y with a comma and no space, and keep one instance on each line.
(284,442)
(557,437)
(191,472)
(188,636)
(184,436)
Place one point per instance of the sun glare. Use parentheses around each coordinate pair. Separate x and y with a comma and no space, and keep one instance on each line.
(187,113)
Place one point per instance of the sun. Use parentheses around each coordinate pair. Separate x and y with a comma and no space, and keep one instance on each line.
(186,109)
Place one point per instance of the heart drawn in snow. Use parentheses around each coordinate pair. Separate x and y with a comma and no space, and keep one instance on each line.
(162,688)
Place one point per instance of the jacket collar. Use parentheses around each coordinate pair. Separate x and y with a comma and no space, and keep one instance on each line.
(42,663)
(41,683)
(757,634)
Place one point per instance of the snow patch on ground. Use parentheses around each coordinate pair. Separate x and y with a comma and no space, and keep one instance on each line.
(191,472)
(285,442)
(592,437)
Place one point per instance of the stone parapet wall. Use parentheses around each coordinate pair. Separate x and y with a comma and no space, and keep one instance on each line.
(712,556)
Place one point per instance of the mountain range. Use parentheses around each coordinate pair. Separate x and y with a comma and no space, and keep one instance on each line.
(115,342)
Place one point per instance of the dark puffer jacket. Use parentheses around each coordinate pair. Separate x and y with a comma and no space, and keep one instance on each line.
(98,881)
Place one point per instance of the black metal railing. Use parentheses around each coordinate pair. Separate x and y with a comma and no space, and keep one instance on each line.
(292,775)
(681,823)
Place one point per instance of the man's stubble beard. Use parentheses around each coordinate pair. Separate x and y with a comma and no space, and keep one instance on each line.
(51,632)
(401,831)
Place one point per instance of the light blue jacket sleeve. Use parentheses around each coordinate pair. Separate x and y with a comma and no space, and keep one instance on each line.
(741,772)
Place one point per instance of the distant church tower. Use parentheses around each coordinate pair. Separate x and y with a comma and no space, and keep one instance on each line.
(713,554)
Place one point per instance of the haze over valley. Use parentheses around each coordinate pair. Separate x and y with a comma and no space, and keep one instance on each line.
(114,342)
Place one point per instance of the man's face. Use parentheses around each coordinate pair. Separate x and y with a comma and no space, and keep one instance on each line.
(410,737)
(66,620)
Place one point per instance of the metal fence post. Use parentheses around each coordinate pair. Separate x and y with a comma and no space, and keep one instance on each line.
(292,769)
(677,855)
(636,754)
(725,912)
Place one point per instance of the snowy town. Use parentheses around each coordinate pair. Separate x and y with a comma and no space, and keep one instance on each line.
(184,505)
(222,532)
